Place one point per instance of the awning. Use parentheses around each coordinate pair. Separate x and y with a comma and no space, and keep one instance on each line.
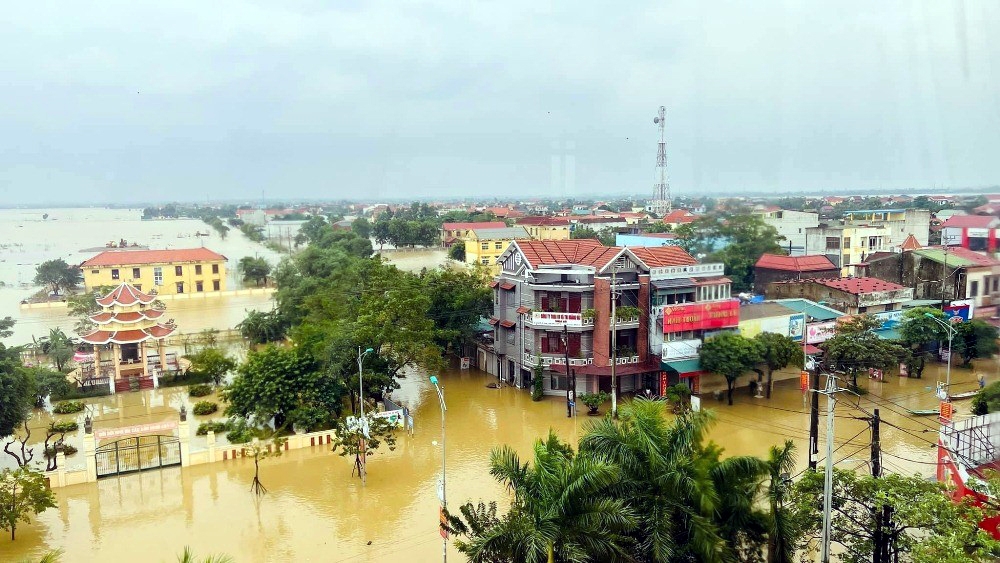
(507,324)
(812,350)
(507,285)
(605,371)
(494,283)
(522,310)
(673,283)
(494,320)
(684,368)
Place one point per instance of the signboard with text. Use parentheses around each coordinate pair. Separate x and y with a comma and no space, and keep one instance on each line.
(701,316)
(820,332)
(123,431)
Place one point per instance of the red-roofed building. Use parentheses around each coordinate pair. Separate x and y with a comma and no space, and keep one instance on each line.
(163,272)
(851,295)
(504,212)
(124,329)
(772,268)
(454,232)
(975,232)
(545,228)
(679,217)
(554,300)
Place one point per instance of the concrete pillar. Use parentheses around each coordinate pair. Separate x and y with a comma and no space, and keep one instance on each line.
(60,473)
(142,358)
(116,357)
(184,432)
(90,453)
(111,385)
(97,361)
(211,446)
(163,356)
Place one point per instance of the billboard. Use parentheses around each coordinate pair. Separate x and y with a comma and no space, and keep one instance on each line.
(701,316)
(820,332)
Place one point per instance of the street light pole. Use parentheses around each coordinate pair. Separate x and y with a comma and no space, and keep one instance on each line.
(951,335)
(361,411)
(444,483)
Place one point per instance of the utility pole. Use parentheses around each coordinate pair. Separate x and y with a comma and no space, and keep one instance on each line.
(878,536)
(444,473)
(565,342)
(614,341)
(831,401)
(814,418)
(362,422)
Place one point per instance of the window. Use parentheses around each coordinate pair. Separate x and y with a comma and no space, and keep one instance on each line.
(847,242)
(996,284)
(560,382)
(486,261)
(139,287)
(215,285)
(136,273)
(114,273)
(157,276)
(973,289)
(832,243)
(498,246)
(485,246)
(862,309)
(215,268)
(197,269)
(178,270)
(95,271)
(198,286)
(180,287)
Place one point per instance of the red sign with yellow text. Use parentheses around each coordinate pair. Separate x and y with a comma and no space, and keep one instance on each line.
(701,316)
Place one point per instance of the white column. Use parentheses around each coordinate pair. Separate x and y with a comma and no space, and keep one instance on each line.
(211,446)
(90,452)
(184,433)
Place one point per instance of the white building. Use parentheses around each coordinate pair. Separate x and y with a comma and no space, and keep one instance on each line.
(792,225)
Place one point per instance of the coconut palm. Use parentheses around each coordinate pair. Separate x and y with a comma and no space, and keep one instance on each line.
(562,509)
(782,531)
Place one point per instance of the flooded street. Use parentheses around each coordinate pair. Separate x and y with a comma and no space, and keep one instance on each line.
(316,511)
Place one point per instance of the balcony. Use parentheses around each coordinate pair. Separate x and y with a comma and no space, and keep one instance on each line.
(533,360)
(545,318)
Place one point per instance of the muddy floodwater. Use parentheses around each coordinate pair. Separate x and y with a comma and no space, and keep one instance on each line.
(316,511)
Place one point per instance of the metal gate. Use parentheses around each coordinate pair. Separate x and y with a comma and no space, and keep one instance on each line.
(137,453)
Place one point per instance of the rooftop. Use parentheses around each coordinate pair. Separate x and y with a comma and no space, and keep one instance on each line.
(816,263)
(469,226)
(506,233)
(956,256)
(659,256)
(543,221)
(856,286)
(971,221)
(584,252)
(763,310)
(811,309)
(138,257)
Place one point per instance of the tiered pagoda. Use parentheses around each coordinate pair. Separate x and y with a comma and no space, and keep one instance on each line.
(128,324)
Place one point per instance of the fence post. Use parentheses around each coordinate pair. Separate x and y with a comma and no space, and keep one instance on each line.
(90,453)
(210,438)
(184,433)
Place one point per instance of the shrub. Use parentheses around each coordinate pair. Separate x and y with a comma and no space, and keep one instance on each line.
(188,378)
(68,407)
(594,400)
(202,408)
(200,390)
(240,433)
(627,312)
(80,392)
(537,384)
(66,449)
(216,426)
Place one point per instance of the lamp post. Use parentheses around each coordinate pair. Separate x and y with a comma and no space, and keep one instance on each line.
(361,411)
(444,483)
(951,333)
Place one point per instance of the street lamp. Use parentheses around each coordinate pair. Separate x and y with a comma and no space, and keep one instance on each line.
(444,483)
(362,423)
(951,333)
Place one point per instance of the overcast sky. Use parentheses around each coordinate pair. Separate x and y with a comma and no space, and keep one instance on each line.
(188,100)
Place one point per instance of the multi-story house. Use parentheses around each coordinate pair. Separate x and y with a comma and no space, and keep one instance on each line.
(484,246)
(853,296)
(792,225)
(553,307)
(847,246)
(458,232)
(898,223)
(545,228)
(974,232)
(163,272)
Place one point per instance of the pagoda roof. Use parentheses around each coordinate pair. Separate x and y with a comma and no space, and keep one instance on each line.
(126,317)
(132,336)
(125,294)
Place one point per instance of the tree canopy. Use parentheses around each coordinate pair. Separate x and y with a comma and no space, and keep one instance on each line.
(254,269)
(744,237)
(778,352)
(855,348)
(57,274)
(731,355)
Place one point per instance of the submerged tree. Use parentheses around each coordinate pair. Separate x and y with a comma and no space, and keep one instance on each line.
(23,494)
(777,352)
(266,443)
(730,355)
(362,440)
(57,274)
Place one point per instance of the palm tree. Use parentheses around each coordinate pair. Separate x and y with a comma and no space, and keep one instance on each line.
(781,532)
(562,510)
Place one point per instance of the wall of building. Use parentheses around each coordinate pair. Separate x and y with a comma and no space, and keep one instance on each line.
(792,225)
(764,276)
(103,276)
(476,254)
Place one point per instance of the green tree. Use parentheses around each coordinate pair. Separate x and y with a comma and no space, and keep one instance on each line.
(562,509)
(743,238)
(777,352)
(730,355)
(658,227)
(6,327)
(925,523)
(607,238)
(82,305)
(785,521)
(59,348)
(285,385)
(375,432)
(362,227)
(458,300)
(855,348)
(974,339)
(254,269)
(17,389)
(266,442)
(23,494)
(537,383)
(211,362)
(57,274)
(457,251)
(987,399)
(261,328)
(47,382)
(916,332)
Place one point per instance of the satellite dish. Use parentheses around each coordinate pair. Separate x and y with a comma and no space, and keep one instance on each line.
(656,120)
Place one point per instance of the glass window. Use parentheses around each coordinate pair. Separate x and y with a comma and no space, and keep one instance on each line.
(215,285)
(198,286)
(197,269)
(136,273)
(179,270)
(974,289)
(215,268)
(498,246)
(485,246)
(157,276)
(114,273)
(95,271)
(180,287)
(847,242)
(832,243)
(486,261)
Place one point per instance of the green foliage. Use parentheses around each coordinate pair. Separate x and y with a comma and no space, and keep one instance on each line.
(854,348)
(261,328)
(211,362)
(57,274)
(418,225)
(217,426)
(730,355)
(746,237)
(82,305)
(916,333)
(187,556)
(48,383)
(537,383)
(627,312)
(594,400)
(58,347)
(254,269)
(606,237)
(349,437)
(184,378)
(252,232)
(68,407)
(200,390)
(925,524)
(458,299)
(239,432)
(589,314)
(361,227)
(777,352)
(204,408)
(6,327)
(457,252)
(23,494)
(987,400)
(974,339)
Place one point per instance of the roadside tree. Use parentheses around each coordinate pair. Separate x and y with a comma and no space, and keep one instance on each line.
(855,348)
(254,270)
(975,339)
(212,362)
(23,494)
(916,333)
(730,355)
(777,352)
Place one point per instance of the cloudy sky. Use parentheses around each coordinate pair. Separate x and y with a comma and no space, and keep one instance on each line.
(222,99)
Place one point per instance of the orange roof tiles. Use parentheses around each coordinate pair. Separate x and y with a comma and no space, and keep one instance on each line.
(814,263)
(125,294)
(584,252)
(469,226)
(857,286)
(136,257)
(659,256)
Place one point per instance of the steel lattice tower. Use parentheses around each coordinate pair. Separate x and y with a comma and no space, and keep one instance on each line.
(661,189)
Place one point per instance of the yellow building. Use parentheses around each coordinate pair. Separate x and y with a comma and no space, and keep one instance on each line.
(545,228)
(163,272)
(847,246)
(484,246)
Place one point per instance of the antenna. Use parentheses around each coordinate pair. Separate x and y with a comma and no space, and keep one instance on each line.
(661,190)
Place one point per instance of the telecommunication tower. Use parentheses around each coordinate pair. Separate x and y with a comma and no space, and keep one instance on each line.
(661,189)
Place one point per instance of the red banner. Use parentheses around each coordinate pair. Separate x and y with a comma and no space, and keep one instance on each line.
(945,411)
(804,380)
(701,316)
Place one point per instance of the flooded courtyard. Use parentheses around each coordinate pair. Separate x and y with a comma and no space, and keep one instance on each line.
(316,511)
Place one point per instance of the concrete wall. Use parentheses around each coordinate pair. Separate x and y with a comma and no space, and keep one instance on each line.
(792,225)
(602,322)
(764,276)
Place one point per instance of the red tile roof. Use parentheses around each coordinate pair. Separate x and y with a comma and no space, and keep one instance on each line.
(679,216)
(543,221)
(911,243)
(659,256)
(127,336)
(507,324)
(126,317)
(469,226)
(136,257)
(507,285)
(522,310)
(816,263)
(970,221)
(124,294)
(583,252)
(856,286)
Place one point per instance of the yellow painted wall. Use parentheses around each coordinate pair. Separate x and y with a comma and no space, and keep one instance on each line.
(548,232)
(475,254)
(103,275)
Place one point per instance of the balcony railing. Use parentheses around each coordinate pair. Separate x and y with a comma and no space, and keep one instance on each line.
(533,360)
(544,318)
